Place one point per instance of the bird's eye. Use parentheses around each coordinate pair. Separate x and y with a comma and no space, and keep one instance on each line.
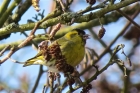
(78,33)
(81,34)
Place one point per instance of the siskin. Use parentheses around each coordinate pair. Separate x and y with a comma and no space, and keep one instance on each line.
(72,46)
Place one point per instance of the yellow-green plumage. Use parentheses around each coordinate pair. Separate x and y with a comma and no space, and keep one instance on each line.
(72,46)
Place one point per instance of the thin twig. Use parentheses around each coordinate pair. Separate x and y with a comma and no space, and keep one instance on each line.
(126,57)
(4,6)
(101,5)
(54,30)
(7,47)
(36,46)
(63,86)
(99,71)
(15,61)
(64,18)
(37,39)
(105,51)
(37,80)
(126,82)
(27,40)
(51,85)
(8,11)
(43,91)
(129,19)
(62,5)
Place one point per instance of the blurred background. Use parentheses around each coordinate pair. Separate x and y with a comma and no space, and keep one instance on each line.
(14,78)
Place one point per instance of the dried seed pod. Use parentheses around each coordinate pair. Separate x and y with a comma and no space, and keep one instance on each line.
(75,74)
(54,30)
(54,51)
(35,4)
(70,81)
(43,46)
(59,65)
(68,68)
(86,88)
(52,76)
(101,32)
(47,57)
(58,75)
(89,86)
(91,2)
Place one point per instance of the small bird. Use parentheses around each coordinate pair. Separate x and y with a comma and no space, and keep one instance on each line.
(72,46)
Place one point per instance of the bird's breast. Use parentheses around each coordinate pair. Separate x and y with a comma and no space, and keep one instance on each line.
(73,52)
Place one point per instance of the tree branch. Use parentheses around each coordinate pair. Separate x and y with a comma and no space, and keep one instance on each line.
(66,17)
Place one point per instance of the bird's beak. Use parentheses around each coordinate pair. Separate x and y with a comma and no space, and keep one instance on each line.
(86,36)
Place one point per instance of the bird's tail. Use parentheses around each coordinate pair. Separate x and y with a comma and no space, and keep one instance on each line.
(29,62)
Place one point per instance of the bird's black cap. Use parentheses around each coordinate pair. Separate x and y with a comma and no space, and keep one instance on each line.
(80,31)
(82,34)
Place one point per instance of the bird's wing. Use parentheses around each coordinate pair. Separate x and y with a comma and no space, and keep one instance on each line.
(34,59)
(73,51)
(68,49)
